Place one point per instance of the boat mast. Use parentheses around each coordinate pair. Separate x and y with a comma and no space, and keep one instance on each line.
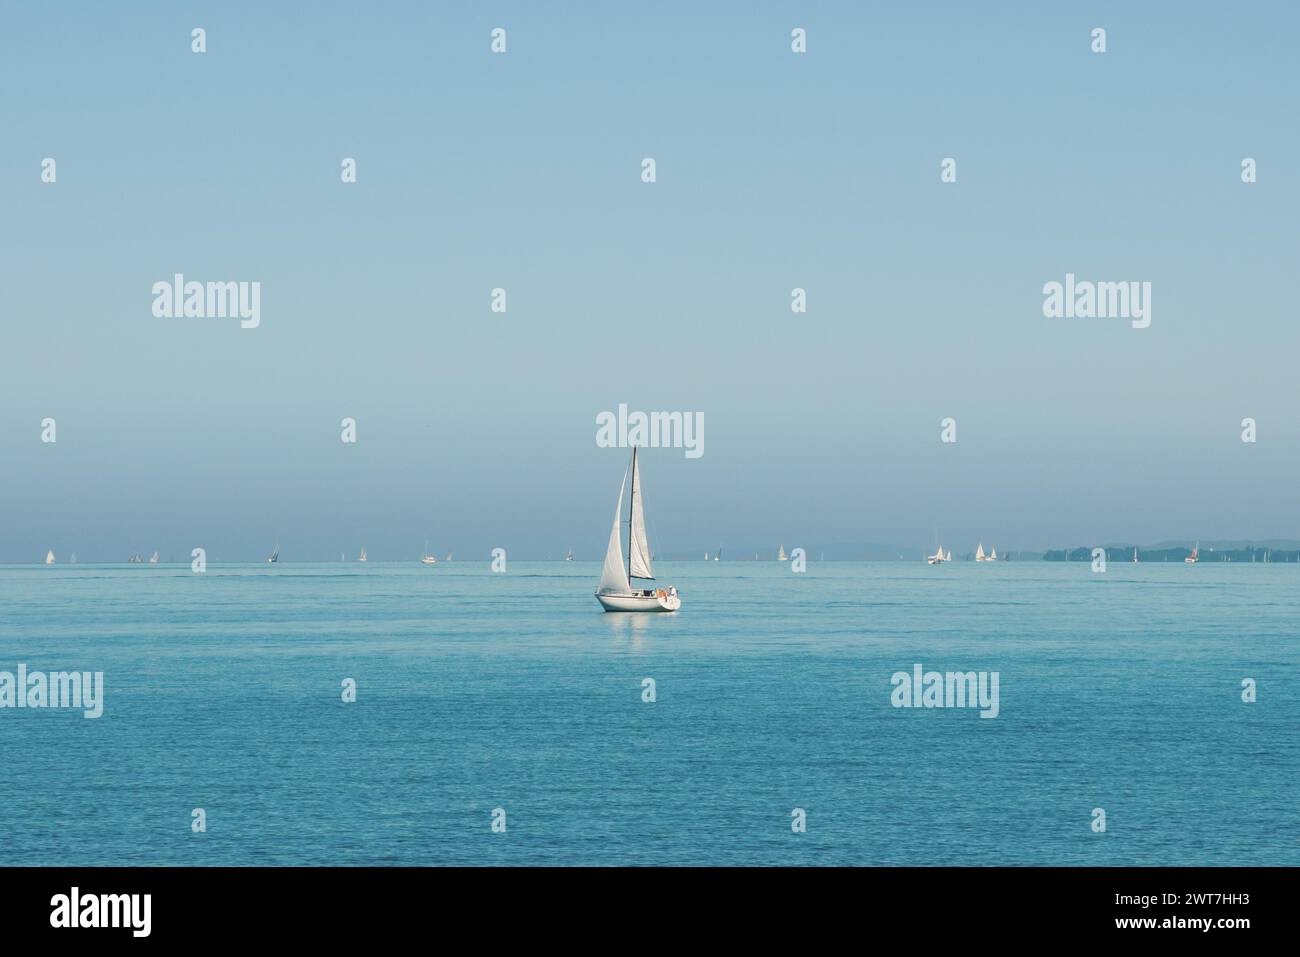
(630,500)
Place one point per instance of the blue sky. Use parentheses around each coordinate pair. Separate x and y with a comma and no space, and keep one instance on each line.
(521,171)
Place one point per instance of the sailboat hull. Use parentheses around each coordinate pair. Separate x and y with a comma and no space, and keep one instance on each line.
(655,601)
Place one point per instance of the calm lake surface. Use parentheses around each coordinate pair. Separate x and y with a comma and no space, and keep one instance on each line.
(476,691)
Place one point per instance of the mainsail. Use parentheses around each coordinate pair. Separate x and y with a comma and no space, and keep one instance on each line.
(638,547)
(613,577)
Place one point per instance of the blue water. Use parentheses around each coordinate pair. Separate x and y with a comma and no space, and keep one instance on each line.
(477,690)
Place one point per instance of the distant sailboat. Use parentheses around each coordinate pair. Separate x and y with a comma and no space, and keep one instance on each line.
(979,552)
(274,556)
(153,559)
(615,592)
(706,556)
(49,557)
(718,555)
(993,554)
(568,556)
(1195,556)
(781,556)
(938,558)
(426,559)
(74,558)
(1135,556)
(362,556)
(448,558)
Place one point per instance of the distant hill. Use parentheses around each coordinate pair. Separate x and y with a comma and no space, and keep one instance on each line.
(1278,550)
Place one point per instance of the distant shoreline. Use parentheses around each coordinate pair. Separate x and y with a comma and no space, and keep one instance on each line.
(1286,553)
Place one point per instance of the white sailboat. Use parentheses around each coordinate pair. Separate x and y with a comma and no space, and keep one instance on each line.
(448,558)
(568,556)
(362,556)
(1135,556)
(979,552)
(992,555)
(938,558)
(426,559)
(153,559)
(1195,556)
(717,556)
(274,556)
(49,557)
(615,591)
(781,556)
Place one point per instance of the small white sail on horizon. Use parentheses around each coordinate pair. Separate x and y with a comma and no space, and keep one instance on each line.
(781,556)
(979,552)
(362,556)
(49,557)
(993,554)
(271,559)
(153,559)
(426,559)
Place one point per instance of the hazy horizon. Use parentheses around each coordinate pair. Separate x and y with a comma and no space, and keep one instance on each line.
(522,171)
(814,552)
